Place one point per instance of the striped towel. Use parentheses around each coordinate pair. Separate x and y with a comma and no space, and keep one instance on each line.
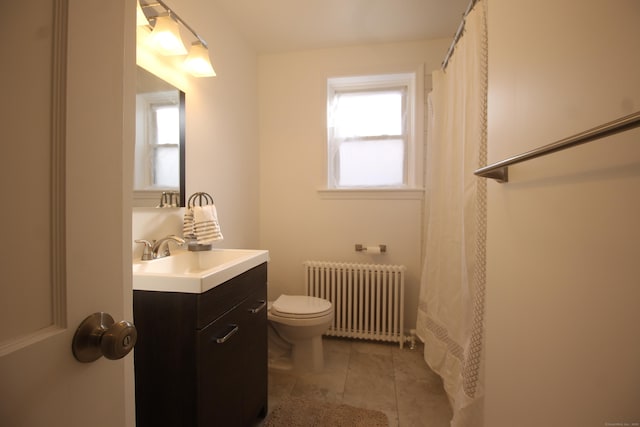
(201,223)
(188,229)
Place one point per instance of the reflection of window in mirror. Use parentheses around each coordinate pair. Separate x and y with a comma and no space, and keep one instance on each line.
(164,145)
(158,141)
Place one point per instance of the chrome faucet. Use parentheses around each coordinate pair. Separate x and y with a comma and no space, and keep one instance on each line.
(146,253)
(164,245)
(158,248)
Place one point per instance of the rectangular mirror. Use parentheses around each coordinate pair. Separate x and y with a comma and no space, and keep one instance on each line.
(159,172)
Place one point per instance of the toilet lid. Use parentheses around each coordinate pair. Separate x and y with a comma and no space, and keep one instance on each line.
(301,305)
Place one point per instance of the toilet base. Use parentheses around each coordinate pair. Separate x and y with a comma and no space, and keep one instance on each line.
(282,363)
(307,355)
(279,351)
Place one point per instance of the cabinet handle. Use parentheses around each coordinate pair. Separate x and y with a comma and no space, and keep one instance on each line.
(232,332)
(259,308)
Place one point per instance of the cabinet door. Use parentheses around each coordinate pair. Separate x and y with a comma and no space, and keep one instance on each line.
(220,349)
(255,365)
(165,359)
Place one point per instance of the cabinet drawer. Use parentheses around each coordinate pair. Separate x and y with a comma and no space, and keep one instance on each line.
(217,301)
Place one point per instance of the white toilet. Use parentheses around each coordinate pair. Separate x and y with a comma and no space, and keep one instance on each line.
(299,322)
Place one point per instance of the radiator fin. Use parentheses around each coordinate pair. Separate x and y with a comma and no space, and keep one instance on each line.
(368,299)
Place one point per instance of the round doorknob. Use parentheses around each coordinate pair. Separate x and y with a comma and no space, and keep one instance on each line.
(99,335)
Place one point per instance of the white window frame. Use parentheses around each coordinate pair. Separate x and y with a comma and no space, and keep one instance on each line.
(411,82)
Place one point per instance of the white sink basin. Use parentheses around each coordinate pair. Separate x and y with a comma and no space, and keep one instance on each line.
(194,272)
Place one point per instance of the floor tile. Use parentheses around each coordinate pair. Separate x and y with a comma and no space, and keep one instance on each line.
(371,375)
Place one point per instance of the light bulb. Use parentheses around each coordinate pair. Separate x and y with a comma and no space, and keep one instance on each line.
(197,62)
(165,37)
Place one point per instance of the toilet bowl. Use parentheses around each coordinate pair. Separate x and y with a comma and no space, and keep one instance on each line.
(300,321)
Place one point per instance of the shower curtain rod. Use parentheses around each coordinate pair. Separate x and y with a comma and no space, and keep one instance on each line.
(457,35)
(500,170)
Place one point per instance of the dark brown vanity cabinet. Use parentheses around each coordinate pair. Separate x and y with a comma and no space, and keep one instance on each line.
(201,359)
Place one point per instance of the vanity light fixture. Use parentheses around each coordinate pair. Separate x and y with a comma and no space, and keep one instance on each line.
(197,62)
(165,38)
(141,19)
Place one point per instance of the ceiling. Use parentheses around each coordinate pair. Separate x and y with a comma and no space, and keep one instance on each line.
(287,25)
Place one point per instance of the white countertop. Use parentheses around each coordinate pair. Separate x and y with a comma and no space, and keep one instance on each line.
(194,272)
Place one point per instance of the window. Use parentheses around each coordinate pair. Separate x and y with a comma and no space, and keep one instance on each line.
(370,129)
(157,156)
(164,145)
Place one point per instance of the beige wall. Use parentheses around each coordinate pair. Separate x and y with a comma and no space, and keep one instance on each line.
(296,223)
(266,194)
(221,135)
(563,286)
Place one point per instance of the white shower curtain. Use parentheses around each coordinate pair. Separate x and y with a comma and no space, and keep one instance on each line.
(451,307)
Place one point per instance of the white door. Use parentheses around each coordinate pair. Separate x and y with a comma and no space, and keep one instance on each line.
(65,251)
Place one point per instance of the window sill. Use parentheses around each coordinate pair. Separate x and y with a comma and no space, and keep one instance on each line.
(372,194)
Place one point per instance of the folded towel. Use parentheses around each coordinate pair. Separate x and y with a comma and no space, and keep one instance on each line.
(201,224)
(188,226)
(205,224)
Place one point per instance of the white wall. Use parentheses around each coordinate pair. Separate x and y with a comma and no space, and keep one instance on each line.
(563,283)
(296,224)
(221,135)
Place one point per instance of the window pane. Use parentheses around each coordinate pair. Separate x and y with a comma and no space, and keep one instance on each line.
(166,171)
(368,114)
(167,124)
(371,163)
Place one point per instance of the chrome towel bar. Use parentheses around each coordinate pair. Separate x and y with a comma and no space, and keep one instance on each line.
(500,170)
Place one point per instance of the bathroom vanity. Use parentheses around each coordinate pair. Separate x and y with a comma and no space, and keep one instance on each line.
(201,357)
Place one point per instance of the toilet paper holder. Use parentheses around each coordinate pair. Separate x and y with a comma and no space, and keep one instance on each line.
(372,249)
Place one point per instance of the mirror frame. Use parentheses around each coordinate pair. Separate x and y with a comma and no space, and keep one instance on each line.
(149,195)
(183,150)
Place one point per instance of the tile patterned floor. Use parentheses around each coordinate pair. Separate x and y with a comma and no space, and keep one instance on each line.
(371,375)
